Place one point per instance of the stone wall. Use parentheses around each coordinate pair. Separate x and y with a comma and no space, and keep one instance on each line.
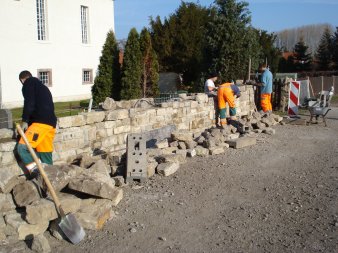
(107,130)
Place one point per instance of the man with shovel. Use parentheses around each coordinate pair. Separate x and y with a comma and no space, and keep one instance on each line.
(38,122)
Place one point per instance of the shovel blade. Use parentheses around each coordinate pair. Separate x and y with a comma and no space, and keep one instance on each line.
(71,228)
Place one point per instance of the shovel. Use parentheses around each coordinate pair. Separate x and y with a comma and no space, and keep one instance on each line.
(68,223)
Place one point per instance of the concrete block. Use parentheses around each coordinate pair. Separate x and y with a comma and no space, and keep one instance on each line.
(167,169)
(242,142)
(136,157)
(26,193)
(6,203)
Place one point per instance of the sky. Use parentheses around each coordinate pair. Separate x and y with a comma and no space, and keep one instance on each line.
(269,15)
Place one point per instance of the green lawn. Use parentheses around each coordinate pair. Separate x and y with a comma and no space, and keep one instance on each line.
(62,109)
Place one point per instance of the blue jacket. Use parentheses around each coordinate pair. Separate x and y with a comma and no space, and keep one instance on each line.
(266,80)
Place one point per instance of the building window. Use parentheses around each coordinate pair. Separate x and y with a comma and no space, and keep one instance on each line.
(45,75)
(41,19)
(84,24)
(87,76)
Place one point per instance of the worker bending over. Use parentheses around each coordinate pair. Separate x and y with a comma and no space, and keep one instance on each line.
(39,121)
(227,92)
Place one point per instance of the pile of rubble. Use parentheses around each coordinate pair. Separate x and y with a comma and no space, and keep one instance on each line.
(91,186)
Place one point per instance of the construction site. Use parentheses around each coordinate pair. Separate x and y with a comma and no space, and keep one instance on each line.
(140,176)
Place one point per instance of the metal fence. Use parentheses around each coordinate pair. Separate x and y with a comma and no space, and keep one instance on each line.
(320,83)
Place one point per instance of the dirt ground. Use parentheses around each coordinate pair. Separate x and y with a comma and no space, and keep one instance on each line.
(280,195)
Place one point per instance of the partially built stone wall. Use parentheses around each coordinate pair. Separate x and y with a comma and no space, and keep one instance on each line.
(107,130)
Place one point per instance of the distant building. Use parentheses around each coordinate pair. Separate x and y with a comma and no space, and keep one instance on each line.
(58,41)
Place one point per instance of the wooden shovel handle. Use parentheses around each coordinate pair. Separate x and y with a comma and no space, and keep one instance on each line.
(42,171)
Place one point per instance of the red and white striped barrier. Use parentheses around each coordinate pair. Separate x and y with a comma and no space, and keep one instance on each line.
(293,98)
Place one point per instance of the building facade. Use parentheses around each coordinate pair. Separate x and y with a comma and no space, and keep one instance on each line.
(58,41)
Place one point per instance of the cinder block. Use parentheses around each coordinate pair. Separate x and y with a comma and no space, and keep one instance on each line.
(136,157)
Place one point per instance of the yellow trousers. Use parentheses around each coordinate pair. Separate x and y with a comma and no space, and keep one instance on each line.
(266,102)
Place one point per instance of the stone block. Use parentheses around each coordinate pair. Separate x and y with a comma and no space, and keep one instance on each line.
(162,144)
(95,214)
(269,131)
(44,209)
(117,196)
(181,145)
(71,121)
(258,125)
(6,119)
(60,175)
(174,158)
(167,169)
(7,158)
(151,168)
(95,184)
(182,136)
(119,181)
(197,123)
(94,117)
(118,114)
(173,144)
(26,193)
(200,151)
(6,203)
(9,177)
(6,133)
(216,150)
(109,104)
(7,146)
(191,152)
(242,142)
(233,136)
(122,129)
(209,143)
(201,98)
(191,144)
(102,167)
(40,244)
(169,150)
(200,140)
(24,230)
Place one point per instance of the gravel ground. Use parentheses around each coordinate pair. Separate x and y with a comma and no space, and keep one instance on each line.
(280,195)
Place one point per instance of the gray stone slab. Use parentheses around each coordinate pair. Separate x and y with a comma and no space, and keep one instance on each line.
(6,120)
(241,142)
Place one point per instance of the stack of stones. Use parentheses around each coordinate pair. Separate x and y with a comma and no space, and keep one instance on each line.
(85,188)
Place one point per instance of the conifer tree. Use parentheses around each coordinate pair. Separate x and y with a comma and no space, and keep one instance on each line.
(335,49)
(150,67)
(230,40)
(131,68)
(107,80)
(324,52)
(303,59)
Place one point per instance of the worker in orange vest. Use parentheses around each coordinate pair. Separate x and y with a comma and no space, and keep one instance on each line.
(227,92)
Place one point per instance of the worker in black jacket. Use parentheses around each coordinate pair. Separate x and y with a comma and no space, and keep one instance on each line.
(38,122)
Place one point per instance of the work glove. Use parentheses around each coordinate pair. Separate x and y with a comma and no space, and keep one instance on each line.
(24,126)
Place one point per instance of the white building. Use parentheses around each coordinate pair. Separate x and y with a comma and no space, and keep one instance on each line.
(58,41)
